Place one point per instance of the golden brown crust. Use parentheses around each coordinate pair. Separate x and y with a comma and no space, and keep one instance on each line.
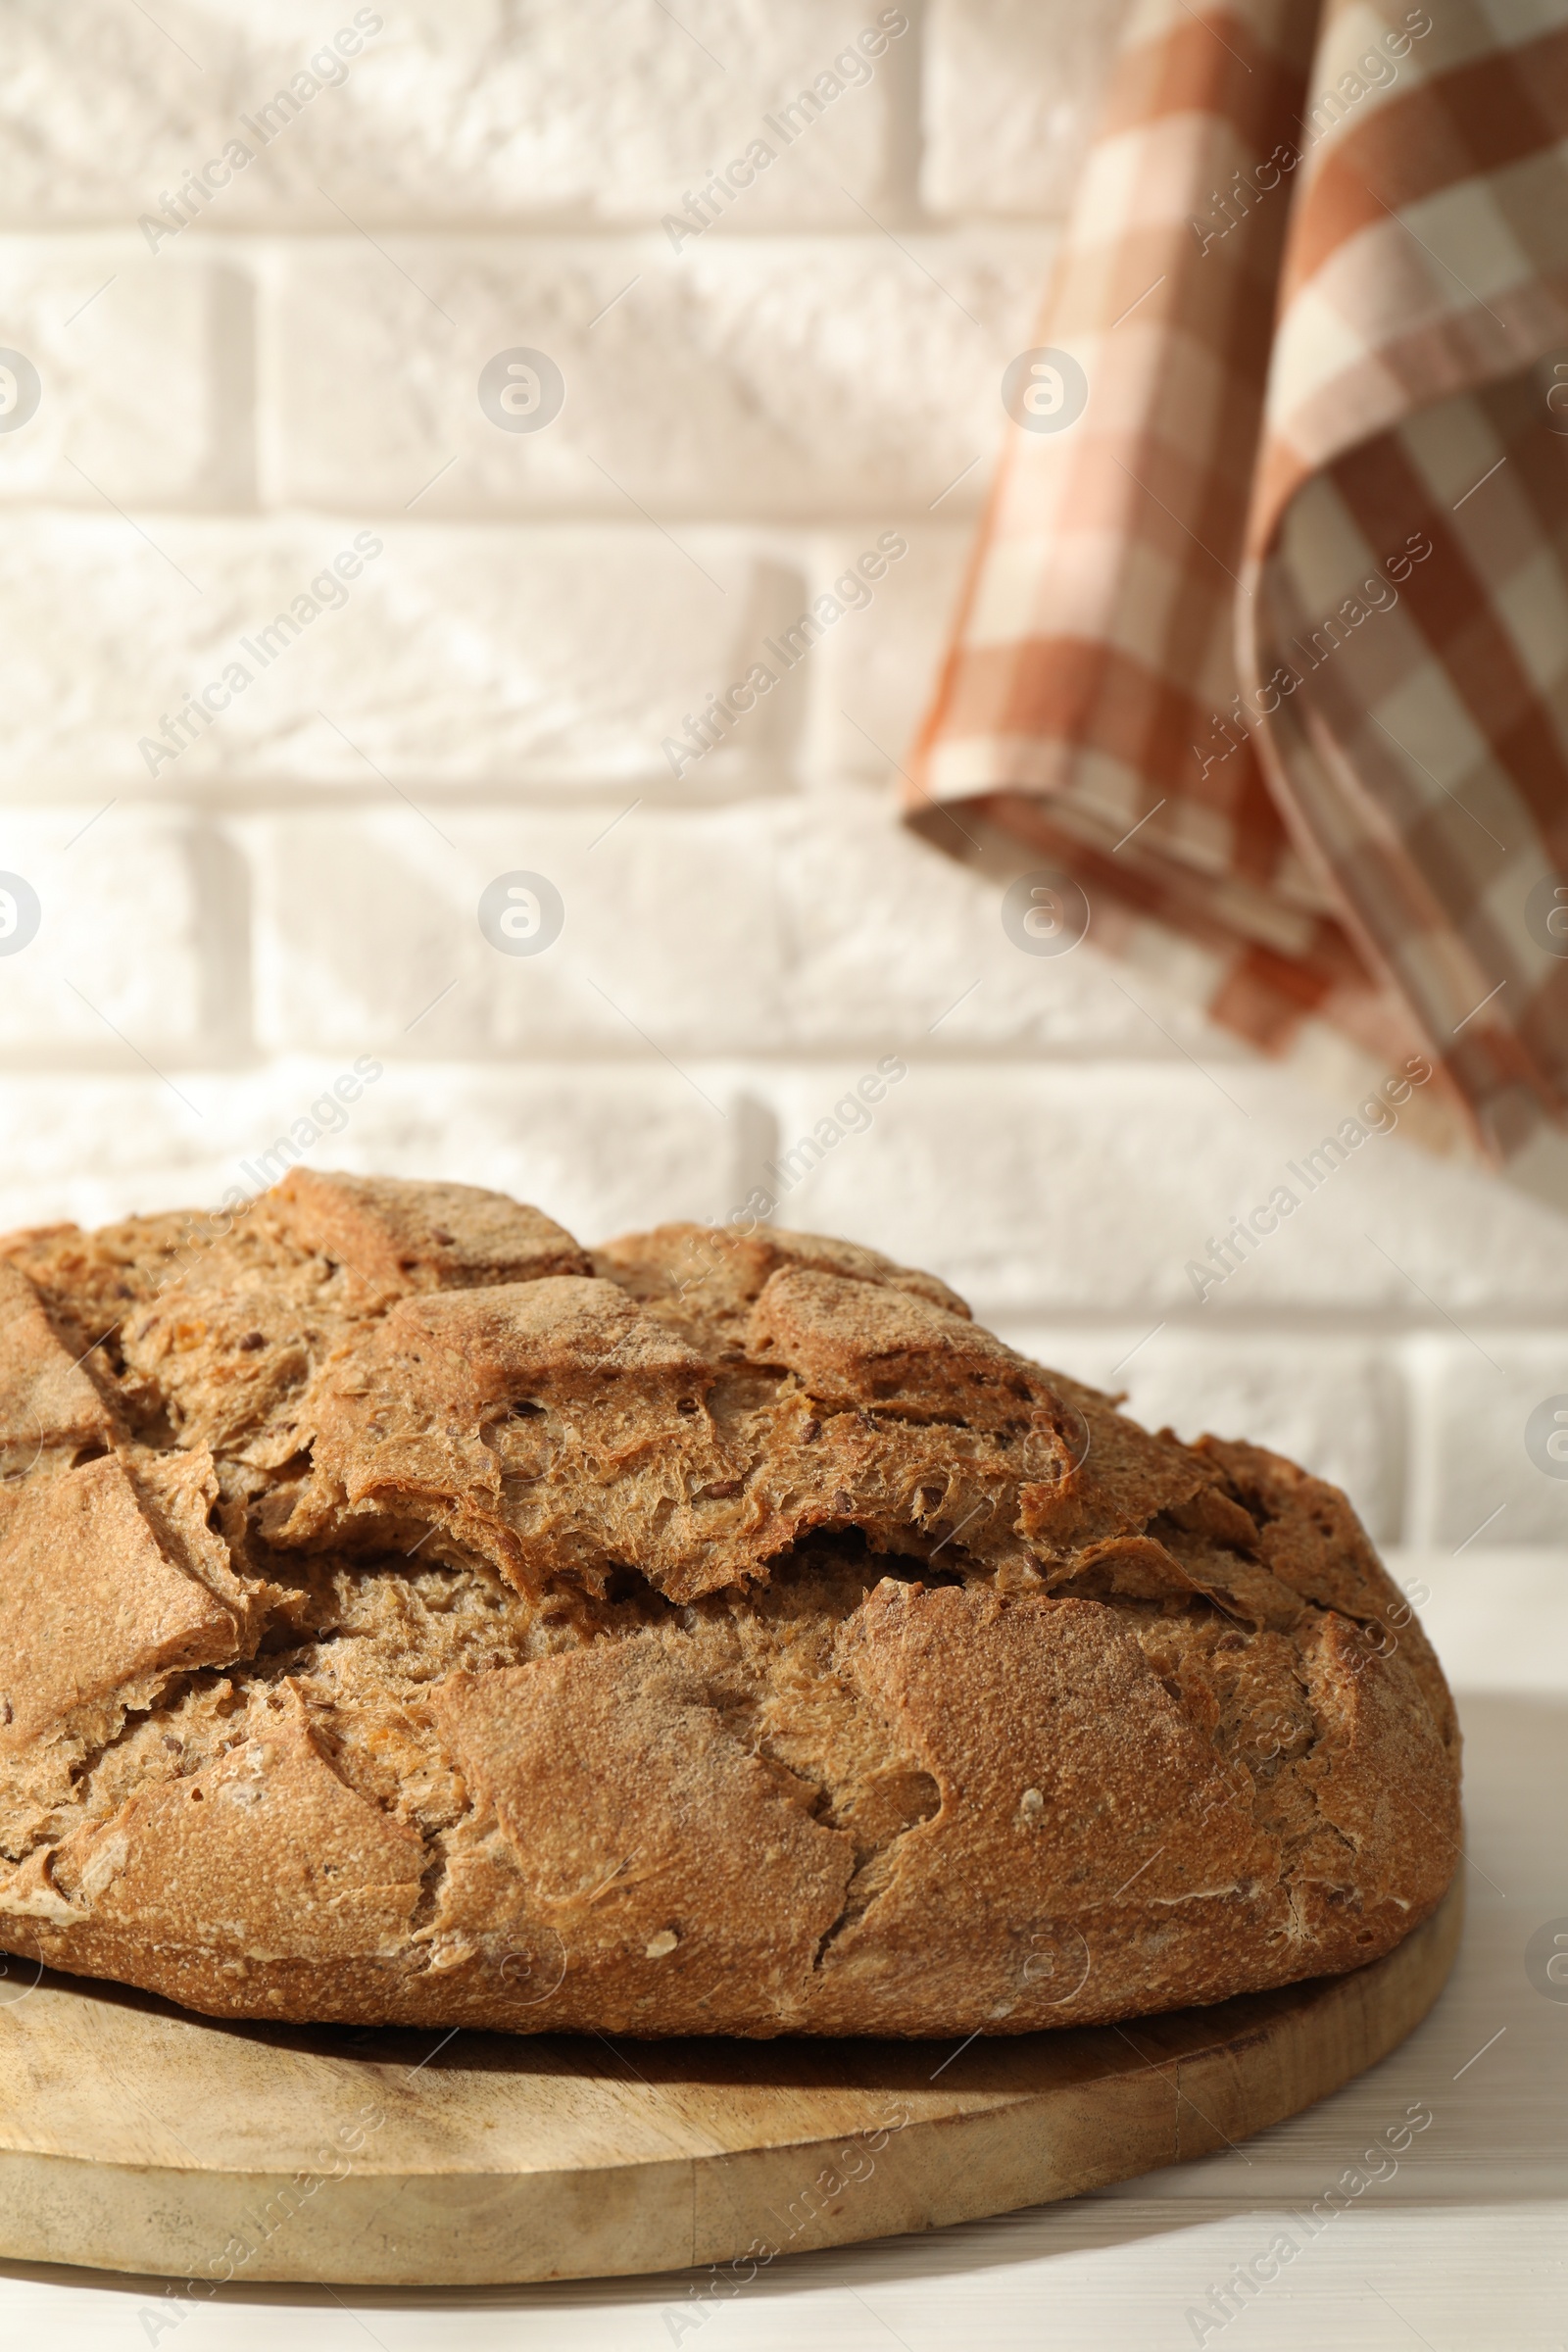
(48,1404)
(91,1600)
(423,1237)
(406,1617)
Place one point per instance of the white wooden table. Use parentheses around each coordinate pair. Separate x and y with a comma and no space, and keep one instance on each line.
(1465,2245)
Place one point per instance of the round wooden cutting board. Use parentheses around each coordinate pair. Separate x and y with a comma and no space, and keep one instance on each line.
(136,2136)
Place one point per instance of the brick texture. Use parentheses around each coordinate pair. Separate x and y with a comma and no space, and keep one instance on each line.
(1496,1467)
(821,929)
(549,656)
(174,344)
(136,910)
(597,109)
(502,652)
(1011,101)
(757,375)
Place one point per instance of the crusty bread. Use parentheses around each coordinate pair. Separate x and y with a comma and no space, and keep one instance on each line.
(407,1617)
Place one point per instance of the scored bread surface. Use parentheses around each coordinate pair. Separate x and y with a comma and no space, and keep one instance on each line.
(407,1616)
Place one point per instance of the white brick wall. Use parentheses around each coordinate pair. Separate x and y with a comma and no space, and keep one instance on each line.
(744,416)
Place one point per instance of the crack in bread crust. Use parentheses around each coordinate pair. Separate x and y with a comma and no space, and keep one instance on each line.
(407,1616)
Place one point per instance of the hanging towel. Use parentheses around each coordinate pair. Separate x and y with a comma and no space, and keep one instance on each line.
(1264,647)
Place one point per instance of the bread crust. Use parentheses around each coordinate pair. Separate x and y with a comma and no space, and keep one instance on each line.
(410,1617)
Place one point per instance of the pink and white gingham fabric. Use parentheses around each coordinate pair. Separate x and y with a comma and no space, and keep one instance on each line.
(1290,595)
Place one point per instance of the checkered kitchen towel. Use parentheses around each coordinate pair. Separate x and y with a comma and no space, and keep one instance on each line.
(1276,571)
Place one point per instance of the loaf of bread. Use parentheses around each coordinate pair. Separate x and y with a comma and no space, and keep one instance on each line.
(407,1616)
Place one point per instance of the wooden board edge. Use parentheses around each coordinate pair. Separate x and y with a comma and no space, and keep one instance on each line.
(1353,2023)
(745,2209)
(960,2168)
